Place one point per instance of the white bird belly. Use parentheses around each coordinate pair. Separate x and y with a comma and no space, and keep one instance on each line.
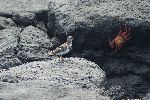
(64,52)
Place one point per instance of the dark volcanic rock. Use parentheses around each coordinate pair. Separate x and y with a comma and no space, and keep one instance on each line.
(123,66)
(75,79)
(34,44)
(125,87)
(8,47)
(97,20)
(140,55)
(24,18)
(118,66)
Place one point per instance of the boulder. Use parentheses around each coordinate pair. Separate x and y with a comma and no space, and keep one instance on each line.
(33,45)
(74,79)
(147,97)
(98,20)
(8,47)
(24,12)
(14,6)
(24,18)
(6,23)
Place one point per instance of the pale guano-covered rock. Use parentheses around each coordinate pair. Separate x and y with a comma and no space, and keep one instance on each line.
(8,47)
(34,44)
(98,20)
(6,23)
(75,79)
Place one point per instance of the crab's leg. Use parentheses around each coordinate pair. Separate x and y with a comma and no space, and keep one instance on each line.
(120,31)
(128,33)
(112,42)
(116,48)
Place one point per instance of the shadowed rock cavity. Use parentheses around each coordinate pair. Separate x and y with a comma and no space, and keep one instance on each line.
(92,23)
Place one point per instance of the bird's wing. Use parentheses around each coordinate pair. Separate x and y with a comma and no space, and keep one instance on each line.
(61,48)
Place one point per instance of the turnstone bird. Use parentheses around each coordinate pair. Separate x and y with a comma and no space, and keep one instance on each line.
(62,49)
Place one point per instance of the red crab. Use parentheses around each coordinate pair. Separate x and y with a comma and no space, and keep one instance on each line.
(120,39)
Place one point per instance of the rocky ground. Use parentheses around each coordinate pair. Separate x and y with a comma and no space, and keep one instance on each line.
(30,28)
(75,79)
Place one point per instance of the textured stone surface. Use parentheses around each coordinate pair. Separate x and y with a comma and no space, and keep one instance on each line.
(24,12)
(91,22)
(140,54)
(97,20)
(24,18)
(34,44)
(12,6)
(74,79)
(125,87)
(6,23)
(8,47)
(147,97)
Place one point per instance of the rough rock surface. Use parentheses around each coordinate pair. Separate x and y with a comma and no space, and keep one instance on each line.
(122,66)
(122,71)
(147,97)
(98,20)
(142,55)
(126,87)
(75,79)
(24,12)
(123,63)
(33,44)
(12,6)
(24,18)
(42,26)
(8,50)
(87,20)
(6,23)
(19,46)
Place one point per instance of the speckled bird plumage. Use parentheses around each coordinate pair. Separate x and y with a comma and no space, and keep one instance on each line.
(62,49)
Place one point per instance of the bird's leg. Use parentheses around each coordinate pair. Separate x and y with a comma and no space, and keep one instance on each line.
(58,58)
(62,59)
(127,37)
